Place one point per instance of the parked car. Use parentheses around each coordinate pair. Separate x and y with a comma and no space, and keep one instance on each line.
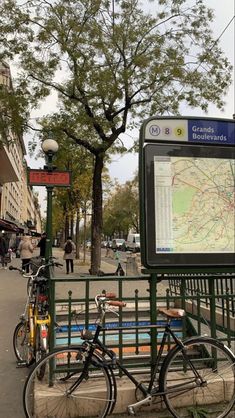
(118,244)
(133,242)
(88,244)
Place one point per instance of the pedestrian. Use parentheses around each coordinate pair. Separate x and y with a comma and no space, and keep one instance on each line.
(42,245)
(17,243)
(26,251)
(3,252)
(69,254)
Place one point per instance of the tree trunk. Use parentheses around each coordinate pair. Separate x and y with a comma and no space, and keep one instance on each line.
(84,237)
(97,216)
(66,226)
(77,235)
(72,227)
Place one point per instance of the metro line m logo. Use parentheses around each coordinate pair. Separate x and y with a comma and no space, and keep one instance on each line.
(154,130)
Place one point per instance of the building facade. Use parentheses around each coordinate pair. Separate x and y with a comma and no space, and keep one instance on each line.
(19,209)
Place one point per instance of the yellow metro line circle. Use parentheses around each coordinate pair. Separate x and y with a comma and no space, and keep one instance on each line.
(179,131)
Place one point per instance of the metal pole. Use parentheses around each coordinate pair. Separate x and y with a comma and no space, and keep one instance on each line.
(153,317)
(48,251)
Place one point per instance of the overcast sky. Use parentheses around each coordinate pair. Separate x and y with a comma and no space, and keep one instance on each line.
(124,167)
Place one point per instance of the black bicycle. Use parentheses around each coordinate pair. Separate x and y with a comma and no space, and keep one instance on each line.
(195,378)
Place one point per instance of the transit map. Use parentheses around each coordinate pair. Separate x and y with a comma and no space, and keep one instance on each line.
(194,204)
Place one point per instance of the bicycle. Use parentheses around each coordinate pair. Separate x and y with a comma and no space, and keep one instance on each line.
(30,337)
(195,378)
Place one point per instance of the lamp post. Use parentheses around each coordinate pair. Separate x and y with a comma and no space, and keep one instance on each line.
(50,148)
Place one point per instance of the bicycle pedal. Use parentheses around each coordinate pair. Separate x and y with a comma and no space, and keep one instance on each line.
(131,411)
(21,364)
(135,406)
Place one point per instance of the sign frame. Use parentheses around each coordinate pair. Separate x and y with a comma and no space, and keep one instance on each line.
(153,262)
(54,178)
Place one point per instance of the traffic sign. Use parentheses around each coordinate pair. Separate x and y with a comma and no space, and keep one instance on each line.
(49,178)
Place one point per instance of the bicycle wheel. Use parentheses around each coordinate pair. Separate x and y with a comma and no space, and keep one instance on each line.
(40,348)
(21,345)
(200,381)
(53,397)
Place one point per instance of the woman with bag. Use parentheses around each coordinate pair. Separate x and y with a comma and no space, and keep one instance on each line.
(69,254)
(26,251)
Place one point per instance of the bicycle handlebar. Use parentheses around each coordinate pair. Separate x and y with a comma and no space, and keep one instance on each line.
(50,264)
(104,299)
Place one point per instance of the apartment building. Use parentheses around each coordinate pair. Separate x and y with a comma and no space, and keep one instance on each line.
(19,209)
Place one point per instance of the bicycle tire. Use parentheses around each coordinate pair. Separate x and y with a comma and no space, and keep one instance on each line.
(22,349)
(93,396)
(186,397)
(40,352)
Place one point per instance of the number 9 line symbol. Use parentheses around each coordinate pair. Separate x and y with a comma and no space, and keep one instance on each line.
(179,131)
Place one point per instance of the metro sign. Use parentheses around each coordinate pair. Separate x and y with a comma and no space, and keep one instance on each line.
(49,178)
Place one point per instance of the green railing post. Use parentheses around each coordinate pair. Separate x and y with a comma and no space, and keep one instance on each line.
(52,314)
(136,321)
(228,317)
(212,307)
(153,317)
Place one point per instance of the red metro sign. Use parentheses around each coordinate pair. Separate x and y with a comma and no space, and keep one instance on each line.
(49,178)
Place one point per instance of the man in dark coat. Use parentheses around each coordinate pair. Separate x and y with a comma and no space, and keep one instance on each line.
(3,251)
(42,245)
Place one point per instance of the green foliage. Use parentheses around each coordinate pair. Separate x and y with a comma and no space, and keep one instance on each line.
(78,197)
(104,65)
(109,65)
(121,210)
(197,412)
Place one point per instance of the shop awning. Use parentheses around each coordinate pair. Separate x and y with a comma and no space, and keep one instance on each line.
(9,226)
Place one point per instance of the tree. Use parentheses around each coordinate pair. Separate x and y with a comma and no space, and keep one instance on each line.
(110,68)
(72,203)
(121,210)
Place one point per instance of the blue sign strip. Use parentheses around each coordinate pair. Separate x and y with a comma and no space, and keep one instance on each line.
(110,325)
(114,339)
(211,131)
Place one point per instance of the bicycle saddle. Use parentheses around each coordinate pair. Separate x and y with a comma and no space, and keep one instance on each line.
(172,312)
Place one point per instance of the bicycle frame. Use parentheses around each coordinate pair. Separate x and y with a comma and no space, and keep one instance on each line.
(97,344)
(36,320)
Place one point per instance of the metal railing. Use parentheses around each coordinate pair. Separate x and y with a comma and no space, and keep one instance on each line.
(202,301)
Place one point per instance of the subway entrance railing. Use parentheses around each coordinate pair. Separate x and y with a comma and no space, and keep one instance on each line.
(208,301)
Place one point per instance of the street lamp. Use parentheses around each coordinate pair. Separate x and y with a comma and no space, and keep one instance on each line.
(50,148)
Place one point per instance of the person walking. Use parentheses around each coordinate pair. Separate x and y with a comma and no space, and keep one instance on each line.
(26,251)
(42,245)
(69,254)
(3,252)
